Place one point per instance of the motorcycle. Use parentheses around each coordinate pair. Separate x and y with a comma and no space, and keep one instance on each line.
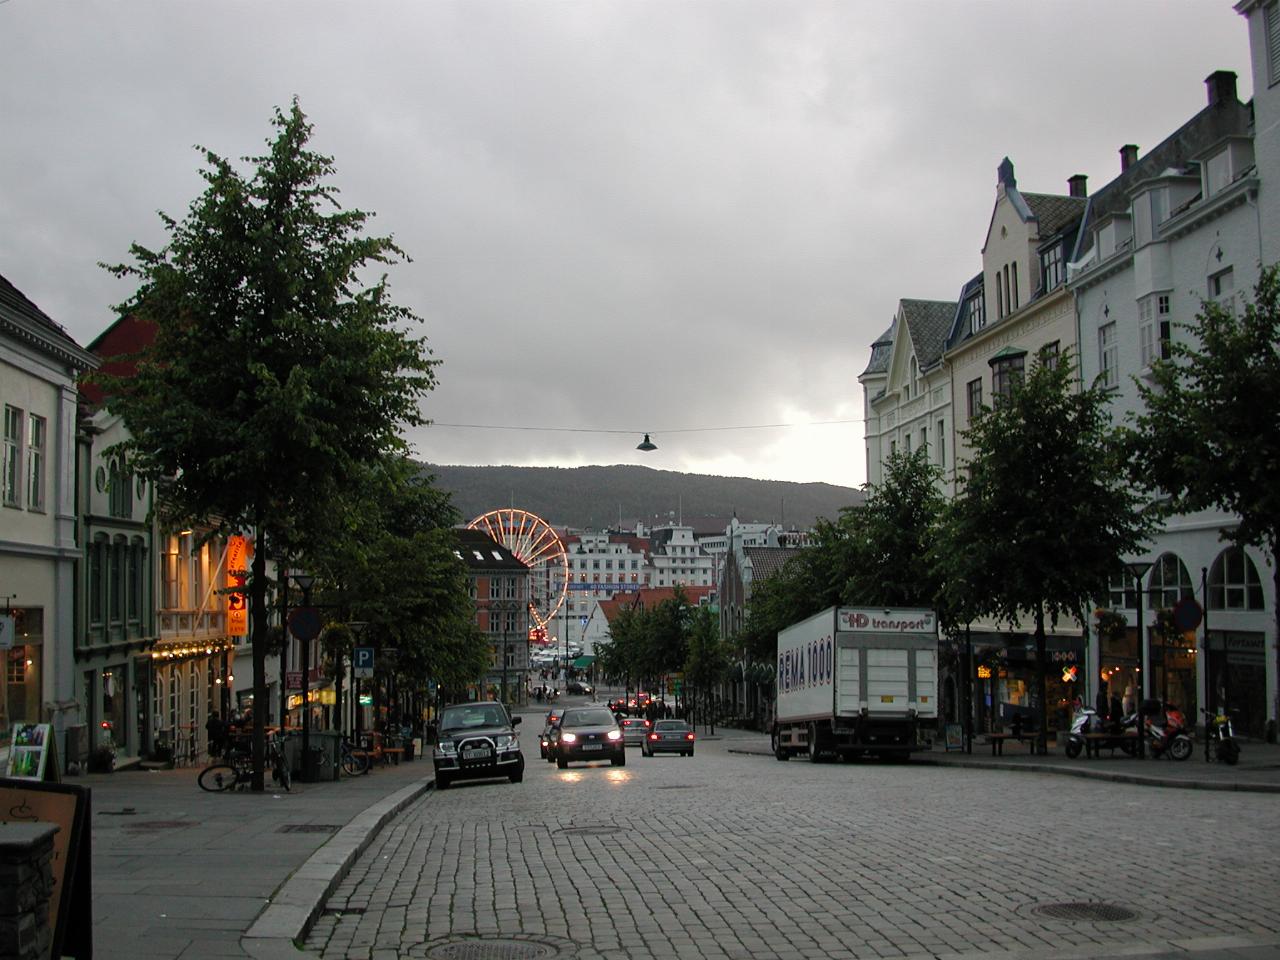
(1220,741)
(1088,721)
(1167,728)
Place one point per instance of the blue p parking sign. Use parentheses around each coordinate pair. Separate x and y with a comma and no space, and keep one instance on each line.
(362,662)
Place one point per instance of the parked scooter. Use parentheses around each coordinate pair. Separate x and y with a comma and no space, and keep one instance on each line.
(1220,741)
(1167,728)
(1088,721)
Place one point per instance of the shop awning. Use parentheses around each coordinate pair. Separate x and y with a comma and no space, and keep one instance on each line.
(583,662)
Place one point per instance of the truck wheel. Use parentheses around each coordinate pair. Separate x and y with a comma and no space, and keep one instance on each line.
(812,751)
(779,751)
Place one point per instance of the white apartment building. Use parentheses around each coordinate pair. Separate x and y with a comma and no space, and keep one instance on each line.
(39,553)
(678,560)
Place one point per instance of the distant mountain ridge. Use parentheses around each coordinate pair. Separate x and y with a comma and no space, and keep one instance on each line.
(595,497)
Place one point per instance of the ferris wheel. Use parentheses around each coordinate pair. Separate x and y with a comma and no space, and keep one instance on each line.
(535,544)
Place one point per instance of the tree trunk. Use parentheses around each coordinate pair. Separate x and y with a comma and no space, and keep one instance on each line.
(258,616)
(1042,741)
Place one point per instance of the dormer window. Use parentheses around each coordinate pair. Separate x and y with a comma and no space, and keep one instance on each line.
(1051,268)
(977,312)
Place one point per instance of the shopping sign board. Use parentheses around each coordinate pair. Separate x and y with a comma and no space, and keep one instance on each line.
(362,662)
(237,574)
(6,632)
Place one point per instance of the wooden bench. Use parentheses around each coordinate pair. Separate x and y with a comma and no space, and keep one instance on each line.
(392,754)
(1093,742)
(997,741)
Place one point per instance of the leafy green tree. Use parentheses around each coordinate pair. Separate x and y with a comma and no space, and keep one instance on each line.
(275,372)
(1208,436)
(707,657)
(1046,512)
(894,532)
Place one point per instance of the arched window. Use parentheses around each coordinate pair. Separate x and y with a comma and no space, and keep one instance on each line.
(1168,582)
(1234,582)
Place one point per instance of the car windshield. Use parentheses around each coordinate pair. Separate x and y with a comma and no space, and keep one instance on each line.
(670,725)
(473,715)
(588,718)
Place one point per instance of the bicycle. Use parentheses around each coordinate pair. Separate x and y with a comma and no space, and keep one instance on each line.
(353,764)
(236,770)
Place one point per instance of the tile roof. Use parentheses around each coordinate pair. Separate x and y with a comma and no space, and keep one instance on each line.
(1054,212)
(766,561)
(929,322)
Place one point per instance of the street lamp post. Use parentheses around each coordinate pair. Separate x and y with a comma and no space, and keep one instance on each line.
(1138,569)
(357,631)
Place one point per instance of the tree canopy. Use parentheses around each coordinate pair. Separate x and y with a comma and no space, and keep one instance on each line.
(276,372)
(1046,513)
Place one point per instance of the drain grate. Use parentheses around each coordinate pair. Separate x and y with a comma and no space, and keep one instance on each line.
(495,949)
(1090,912)
(308,828)
(601,831)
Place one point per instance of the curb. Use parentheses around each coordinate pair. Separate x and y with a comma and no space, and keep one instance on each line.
(1064,771)
(286,921)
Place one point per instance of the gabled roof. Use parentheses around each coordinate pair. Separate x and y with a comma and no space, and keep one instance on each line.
(648,598)
(23,320)
(929,322)
(881,351)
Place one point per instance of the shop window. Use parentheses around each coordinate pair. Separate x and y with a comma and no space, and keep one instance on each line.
(1234,583)
(1168,583)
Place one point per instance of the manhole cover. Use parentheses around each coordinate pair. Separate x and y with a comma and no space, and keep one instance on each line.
(308,828)
(1085,911)
(478,949)
(602,831)
(160,824)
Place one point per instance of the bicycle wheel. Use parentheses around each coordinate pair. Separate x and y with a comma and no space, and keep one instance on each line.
(218,777)
(353,765)
(282,774)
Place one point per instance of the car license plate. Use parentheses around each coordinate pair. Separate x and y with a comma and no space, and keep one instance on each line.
(593,746)
(480,754)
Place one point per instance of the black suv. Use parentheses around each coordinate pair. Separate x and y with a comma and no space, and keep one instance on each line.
(477,741)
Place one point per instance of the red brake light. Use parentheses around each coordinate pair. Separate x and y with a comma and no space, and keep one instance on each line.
(689,735)
(646,723)
(653,736)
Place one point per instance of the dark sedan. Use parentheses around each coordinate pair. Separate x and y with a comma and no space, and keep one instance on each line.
(477,741)
(669,736)
(589,733)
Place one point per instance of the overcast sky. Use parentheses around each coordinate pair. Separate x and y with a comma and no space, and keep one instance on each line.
(674,217)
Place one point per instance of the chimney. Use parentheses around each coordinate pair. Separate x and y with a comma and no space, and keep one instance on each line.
(1128,156)
(1222,87)
(1076,185)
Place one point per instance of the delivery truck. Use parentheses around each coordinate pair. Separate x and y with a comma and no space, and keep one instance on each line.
(856,681)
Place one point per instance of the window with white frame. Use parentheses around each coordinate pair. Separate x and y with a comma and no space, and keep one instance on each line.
(1153,328)
(37,440)
(1169,582)
(1006,373)
(12,453)
(942,444)
(1122,590)
(1108,373)
(1234,583)
(1050,354)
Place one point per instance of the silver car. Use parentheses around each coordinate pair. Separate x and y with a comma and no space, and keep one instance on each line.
(634,730)
(669,736)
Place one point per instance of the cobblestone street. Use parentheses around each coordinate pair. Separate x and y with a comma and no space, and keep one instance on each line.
(734,856)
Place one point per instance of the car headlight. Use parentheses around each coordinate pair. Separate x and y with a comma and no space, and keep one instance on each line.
(568,738)
(447,748)
(504,741)
(615,734)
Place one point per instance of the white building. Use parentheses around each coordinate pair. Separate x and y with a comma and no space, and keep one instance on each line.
(1178,226)
(39,553)
(678,560)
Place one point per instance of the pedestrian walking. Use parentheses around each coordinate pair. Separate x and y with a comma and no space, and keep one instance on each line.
(217,734)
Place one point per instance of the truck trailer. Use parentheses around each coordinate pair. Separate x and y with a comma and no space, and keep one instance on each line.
(856,681)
